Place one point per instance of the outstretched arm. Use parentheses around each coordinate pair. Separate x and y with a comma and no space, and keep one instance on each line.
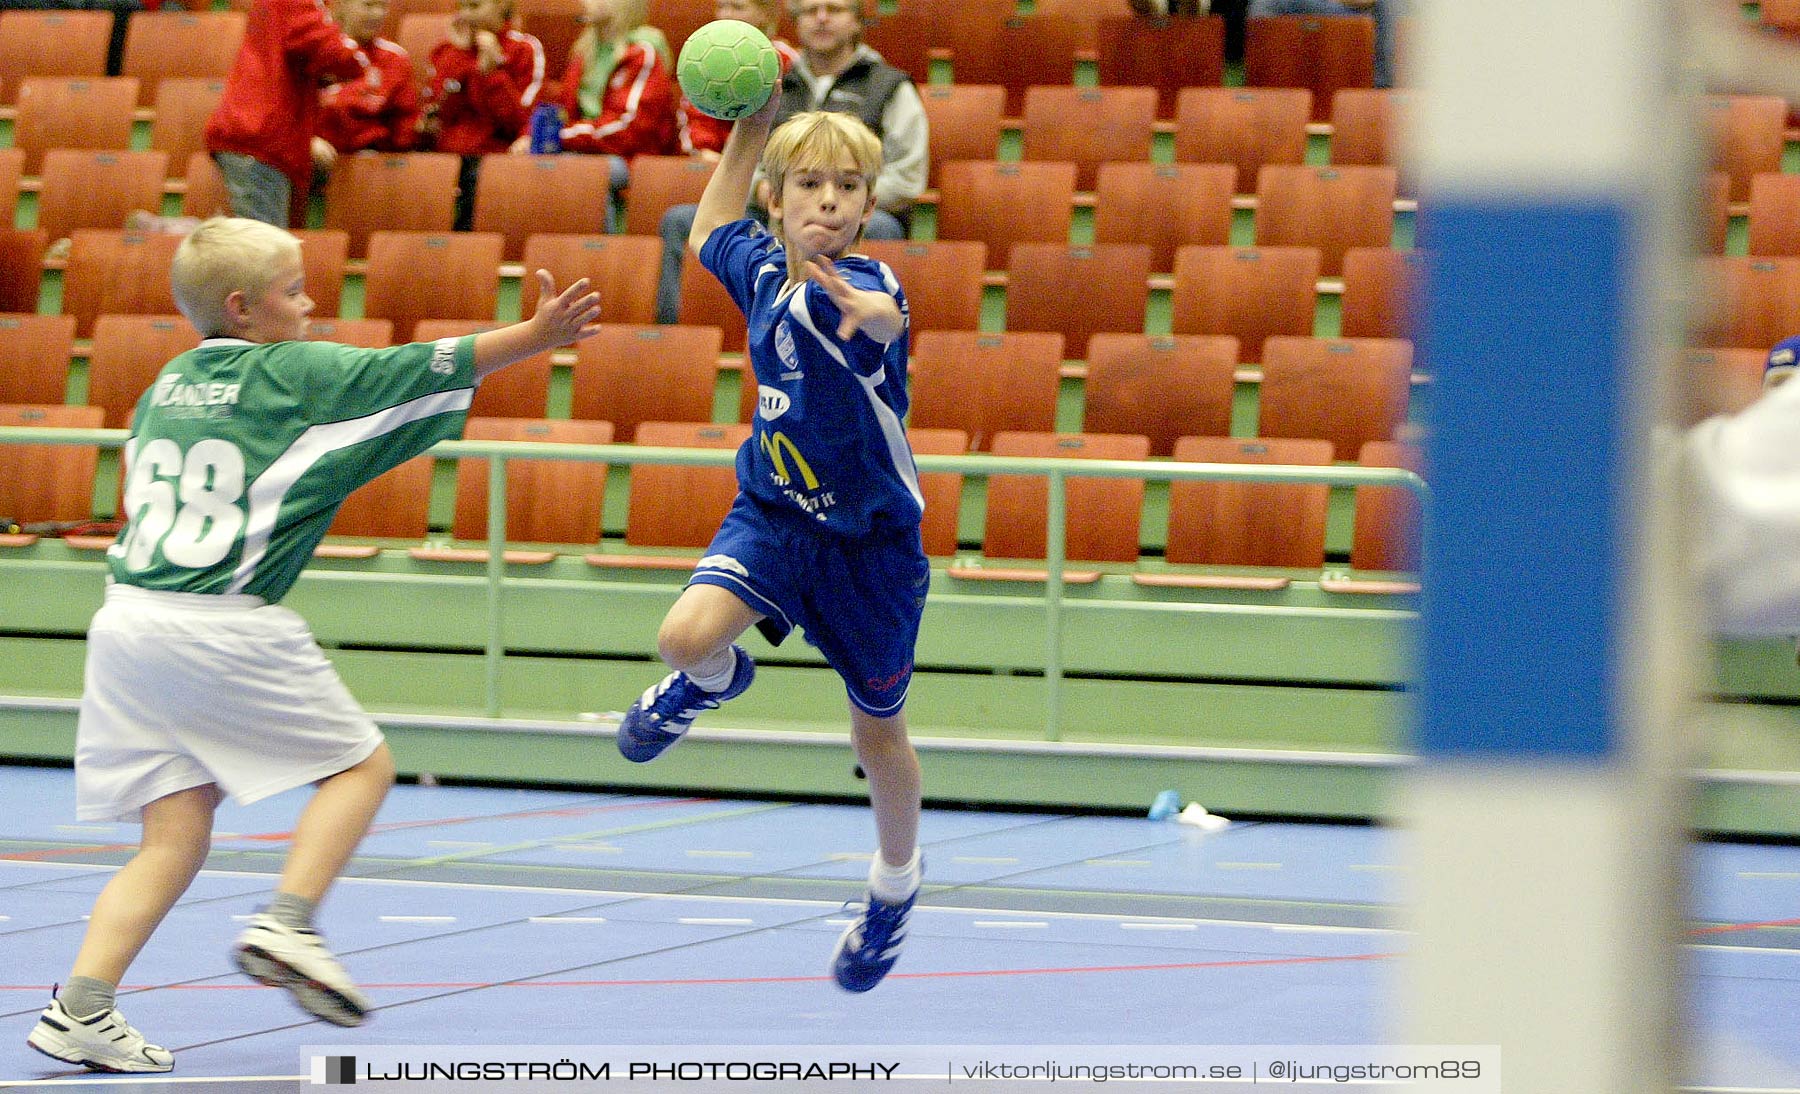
(561,318)
(873,313)
(728,191)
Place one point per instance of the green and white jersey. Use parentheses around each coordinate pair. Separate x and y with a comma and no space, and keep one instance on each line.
(240,453)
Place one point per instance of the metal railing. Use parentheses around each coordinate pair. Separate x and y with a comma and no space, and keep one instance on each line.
(1056,470)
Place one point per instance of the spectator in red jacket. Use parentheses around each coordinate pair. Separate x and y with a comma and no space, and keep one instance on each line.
(261,133)
(619,91)
(701,134)
(485,79)
(380,112)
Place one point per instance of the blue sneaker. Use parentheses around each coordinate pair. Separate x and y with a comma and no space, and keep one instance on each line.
(663,713)
(870,946)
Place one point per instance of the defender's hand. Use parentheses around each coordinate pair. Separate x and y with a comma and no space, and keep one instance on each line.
(568,316)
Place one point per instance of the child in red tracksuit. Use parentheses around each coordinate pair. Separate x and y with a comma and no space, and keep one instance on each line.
(619,91)
(261,133)
(378,112)
(485,79)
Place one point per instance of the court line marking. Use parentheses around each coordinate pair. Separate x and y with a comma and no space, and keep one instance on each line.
(417,918)
(544,980)
(1729,928)
(715,921)
(401,826)
(630,829)
(565,919)
(815,978)
(803,902)
(813,902)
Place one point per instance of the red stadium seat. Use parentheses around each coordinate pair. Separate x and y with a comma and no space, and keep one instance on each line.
(1249,293)
(984,384)
(632,374)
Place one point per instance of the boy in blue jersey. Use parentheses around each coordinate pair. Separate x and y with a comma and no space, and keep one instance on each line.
(198,683)
(824,533)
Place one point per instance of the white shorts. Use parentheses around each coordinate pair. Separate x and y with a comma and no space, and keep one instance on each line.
(186,689)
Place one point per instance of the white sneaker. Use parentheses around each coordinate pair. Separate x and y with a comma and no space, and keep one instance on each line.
(105,1042)
(281,956)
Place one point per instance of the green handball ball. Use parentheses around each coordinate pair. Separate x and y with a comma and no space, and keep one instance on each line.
(728,69)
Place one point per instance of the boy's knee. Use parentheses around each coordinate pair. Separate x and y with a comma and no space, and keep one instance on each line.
(680,646)
(869,732)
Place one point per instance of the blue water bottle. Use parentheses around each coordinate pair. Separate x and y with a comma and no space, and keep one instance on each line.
(546,129)
(1166,805)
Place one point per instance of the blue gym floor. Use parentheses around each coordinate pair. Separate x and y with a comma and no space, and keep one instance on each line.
(490,916)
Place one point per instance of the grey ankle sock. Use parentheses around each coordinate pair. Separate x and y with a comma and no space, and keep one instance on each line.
(291,911)
(84,996)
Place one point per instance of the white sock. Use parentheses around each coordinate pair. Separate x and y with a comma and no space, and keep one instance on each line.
(894,883)
(714,673)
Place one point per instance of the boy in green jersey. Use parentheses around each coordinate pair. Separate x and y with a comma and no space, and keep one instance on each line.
(199,684)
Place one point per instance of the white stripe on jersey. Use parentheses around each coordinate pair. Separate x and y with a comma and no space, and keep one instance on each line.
(899,452)
(308,449)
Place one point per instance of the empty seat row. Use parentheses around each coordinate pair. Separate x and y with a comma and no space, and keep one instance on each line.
(1247,127)
(996,203)
(158,46)
(982,46)
(1074,290)
(100,114)
(1346,391)
(1243,126)
(671,507)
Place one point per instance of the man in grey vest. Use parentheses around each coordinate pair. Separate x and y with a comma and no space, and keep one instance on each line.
(835,71)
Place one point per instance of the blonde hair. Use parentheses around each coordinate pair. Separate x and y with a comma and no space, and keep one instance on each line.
(820,138)
(222,256)
(628,15)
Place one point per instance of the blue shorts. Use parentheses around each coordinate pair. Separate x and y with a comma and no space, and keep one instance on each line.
(858,600)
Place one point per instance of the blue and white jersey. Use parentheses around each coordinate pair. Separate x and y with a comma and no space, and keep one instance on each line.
(829,444)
